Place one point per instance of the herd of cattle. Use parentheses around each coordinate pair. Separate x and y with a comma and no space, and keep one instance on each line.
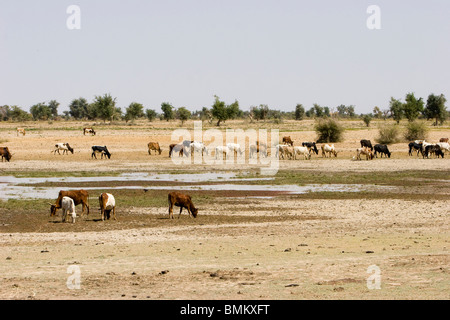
(67,200)
(286,150)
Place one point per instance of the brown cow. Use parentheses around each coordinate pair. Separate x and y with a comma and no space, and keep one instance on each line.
(21,131)
(364,151)
(287,140)
(78,197)
(153,146)
(4,153)
(107,204)
(183,201)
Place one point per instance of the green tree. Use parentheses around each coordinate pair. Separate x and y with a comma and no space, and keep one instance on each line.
(396,108)
(299,112)
(346,111)
(183,114)
(328,130)
(14,113)
(205,114)
(412,107)
(105,107)
(151,114)
(435,108)
(168,112)
(134,111)
(78,108)
(318,111)
(53,105)
(377,113)
(117,114)
(261,112)
(218,110)
(233,110)
(41,111)
(367,118)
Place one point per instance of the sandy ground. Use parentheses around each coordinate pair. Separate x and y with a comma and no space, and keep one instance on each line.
(326,252)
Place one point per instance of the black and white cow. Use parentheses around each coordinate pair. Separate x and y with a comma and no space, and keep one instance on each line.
(433,149)
(311,146)
(415,146)
(65,147)
(382,149)
(102,150)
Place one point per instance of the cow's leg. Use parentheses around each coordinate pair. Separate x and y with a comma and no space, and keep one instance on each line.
(114,213)
(181,209)
(170,210)
(64,213)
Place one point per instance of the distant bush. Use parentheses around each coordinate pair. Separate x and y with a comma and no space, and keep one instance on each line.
(329,130)
(416,131)
(388,134)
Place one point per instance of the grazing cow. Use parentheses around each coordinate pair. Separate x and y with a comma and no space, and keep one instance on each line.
(364,151)
(327,149)
(183,201)
(279,153)
(89,131)
(78,197)
(415,146)
(382,149)
(65,147)
(261,148)
(102,150)
(311,146)
(4,152)
(287,140)
(432,149)
(305,151)
(21,131)
(443,140)
(445,146)
(68,206)
(176,148)
(366,143)
(107,204)
(224,151)
(262,144)
(198,147)
(288,152)
(153,146)
(236,148)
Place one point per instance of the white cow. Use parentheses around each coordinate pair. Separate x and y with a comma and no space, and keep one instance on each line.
(68,206)
(261,148)
(327,149)
(302,150)
(445,146)
(64,147)
(222,150)
(198,147)
(234,147)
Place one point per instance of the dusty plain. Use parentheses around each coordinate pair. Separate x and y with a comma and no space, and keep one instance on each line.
(245,244)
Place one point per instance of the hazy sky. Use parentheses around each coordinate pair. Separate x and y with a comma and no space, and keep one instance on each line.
(278,53)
